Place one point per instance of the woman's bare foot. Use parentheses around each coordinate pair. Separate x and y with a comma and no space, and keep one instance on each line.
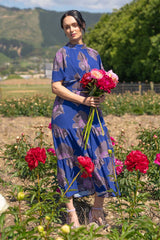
(97,215)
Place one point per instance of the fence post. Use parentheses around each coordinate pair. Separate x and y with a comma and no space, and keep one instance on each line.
(140,88)
(152,86)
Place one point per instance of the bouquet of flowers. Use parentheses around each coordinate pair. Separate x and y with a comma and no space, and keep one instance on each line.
(97,82)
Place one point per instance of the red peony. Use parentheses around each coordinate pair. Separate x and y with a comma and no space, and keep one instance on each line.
(34,156)
(106,83)
(87,164)
(136,160)
(157,160)
(86,79)
(58,190)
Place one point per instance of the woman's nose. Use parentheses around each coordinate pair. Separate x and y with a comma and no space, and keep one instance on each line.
(71,29)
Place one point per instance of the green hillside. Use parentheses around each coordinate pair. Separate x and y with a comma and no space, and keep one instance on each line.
(21,25)
(38,28)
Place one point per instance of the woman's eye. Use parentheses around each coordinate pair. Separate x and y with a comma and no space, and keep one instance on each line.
(74,24)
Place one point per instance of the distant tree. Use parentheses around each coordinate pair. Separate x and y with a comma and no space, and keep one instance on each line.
(128,40)
(10,47)
(27,49)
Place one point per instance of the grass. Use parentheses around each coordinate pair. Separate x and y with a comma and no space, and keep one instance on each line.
(38,91)
(22,90)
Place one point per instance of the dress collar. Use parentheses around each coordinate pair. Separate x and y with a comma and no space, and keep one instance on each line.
(75,45)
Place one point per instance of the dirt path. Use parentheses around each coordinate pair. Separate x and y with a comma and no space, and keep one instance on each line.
(13,127)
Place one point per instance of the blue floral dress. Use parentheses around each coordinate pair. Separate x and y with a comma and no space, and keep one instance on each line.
(68,121)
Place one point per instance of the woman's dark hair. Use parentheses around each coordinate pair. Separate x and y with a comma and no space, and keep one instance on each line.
(78,17)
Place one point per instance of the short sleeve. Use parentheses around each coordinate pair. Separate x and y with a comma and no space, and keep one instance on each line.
(100,62)
(59,65)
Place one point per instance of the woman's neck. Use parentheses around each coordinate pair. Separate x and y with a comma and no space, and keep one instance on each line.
(76,42)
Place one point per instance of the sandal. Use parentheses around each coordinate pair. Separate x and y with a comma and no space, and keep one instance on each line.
(72,220)
(98,220)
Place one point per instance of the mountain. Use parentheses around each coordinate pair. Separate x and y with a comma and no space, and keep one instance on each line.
(23,31)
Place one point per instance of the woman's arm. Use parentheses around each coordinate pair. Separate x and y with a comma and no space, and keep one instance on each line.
(66,94)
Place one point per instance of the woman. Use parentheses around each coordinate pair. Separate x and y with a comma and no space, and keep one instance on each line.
(70,113)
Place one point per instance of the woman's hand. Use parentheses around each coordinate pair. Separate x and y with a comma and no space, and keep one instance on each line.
(94,101)
(102,98)
(66,94)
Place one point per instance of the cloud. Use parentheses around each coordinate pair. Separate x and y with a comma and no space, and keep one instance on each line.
(96,4)
(62,5)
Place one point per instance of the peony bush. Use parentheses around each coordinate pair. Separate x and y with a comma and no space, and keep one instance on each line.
(116,104)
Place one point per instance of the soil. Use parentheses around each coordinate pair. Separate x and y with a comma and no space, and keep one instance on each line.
(11,128)
(129,124)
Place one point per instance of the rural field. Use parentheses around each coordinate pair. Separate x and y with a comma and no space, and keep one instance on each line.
(130,131)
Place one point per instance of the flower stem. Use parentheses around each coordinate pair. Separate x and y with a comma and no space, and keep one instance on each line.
(67,189)
(40,211)
(20,215)
(71,183)
(87,128)
(38,185)
(135,196)
(118,196)
(99,122)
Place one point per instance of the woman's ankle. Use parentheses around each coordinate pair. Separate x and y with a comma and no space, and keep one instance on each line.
(97,208)
(73,219)
(71,210)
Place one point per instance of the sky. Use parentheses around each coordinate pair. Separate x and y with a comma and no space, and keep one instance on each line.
(100,6)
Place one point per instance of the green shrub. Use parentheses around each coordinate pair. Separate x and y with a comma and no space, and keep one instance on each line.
(40,105)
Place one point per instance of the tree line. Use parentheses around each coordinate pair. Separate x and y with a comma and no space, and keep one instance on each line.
(128,41)
(13,48)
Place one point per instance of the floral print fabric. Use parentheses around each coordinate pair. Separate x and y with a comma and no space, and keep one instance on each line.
(68,121)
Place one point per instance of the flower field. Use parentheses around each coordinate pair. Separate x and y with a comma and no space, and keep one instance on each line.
(37,206)
(41,105)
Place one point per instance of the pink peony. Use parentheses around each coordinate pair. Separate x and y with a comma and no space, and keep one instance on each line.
(157,160)
(50,126)
(96,74)
(106,83)
(51,150)
(114,76)
(119,166)
(113,141)
(155,136)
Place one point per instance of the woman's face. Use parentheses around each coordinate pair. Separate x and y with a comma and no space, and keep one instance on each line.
(72,30)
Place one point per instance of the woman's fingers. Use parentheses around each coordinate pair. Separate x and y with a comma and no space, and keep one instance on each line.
(102,98)
(94,101)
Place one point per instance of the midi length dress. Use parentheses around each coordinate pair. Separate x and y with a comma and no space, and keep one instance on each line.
(68,121)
